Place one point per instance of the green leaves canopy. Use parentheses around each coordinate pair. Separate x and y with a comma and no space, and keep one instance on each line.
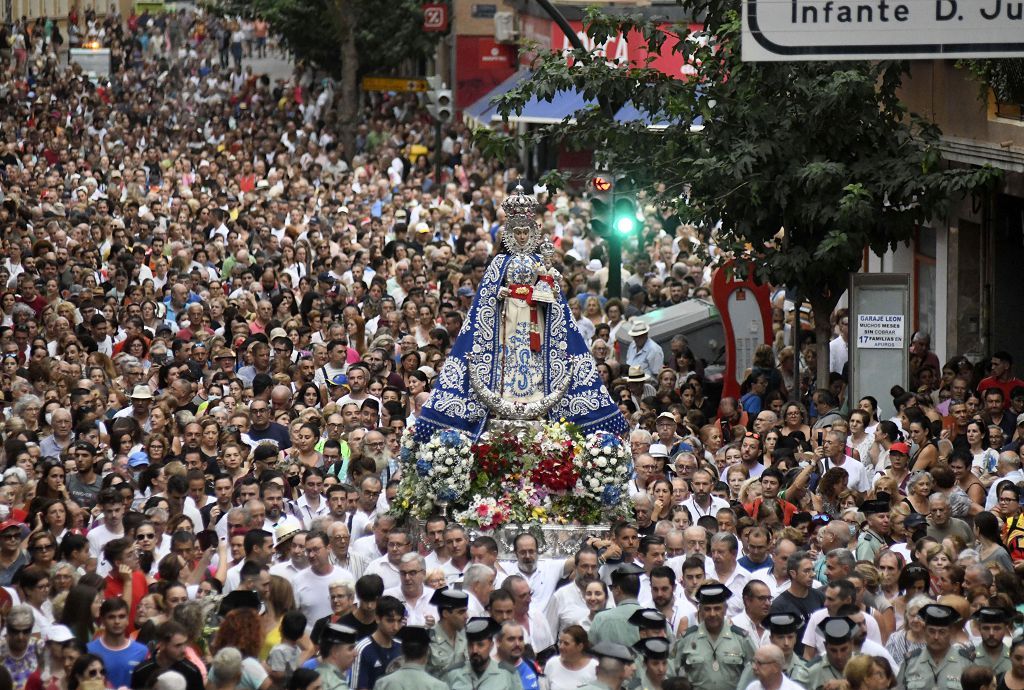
(386,33)
(822,149)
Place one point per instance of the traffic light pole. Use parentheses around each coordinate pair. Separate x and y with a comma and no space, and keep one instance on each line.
(437,152)
(614,267)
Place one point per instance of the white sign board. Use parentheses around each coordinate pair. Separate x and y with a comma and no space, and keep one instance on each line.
(880,331)
(788,30)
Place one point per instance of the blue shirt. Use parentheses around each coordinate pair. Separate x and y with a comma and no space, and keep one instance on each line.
(752,567)
(528,676)
(121,662)
(372,661)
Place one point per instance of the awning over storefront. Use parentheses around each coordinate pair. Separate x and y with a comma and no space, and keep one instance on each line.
(535,111)
(540,112)
(483,111)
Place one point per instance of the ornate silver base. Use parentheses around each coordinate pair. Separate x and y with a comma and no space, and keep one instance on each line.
(512,426)
(553,541)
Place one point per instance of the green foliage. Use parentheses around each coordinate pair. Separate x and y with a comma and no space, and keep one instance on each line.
(1003,76)
(824,150)
(387,34)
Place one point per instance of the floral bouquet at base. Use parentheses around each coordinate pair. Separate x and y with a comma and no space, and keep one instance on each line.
(545,474)
(434,473)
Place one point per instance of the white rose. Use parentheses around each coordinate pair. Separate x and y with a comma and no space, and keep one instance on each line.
(601,462)
(594,482)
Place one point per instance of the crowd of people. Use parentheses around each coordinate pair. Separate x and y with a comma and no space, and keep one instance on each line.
(216,323)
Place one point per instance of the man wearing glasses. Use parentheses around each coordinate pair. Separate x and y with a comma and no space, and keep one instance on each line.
(312,586)
(767,666)
(832,453)
(263,429)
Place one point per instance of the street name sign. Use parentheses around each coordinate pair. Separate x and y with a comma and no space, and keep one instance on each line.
(788,30)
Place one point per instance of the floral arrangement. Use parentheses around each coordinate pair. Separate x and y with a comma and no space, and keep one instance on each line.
(544,474)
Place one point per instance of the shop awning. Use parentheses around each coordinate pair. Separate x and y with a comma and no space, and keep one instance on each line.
(630,113)
(483,111)
(564,104)
(535,111)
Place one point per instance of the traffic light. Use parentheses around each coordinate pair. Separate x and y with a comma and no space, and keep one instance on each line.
(625,220)
(439,100)
(601,205)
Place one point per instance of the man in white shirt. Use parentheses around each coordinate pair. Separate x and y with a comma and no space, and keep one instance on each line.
(767,666)
(838,593)
(413,593)
(478,583)
(701,502)
(111,527)
(757,600)
(832,453)
(537,631)
(399,543)
(566,606)
(366,506)
(375,544)
(724,552)
(541,574)
(312,586)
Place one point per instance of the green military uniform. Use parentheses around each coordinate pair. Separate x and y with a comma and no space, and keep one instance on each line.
(331,677)
(820,671)
(712,664)
(612,625)
(868,546)
(921,672)
(797,670)
(447,654)
(409,677)
(999,665)
(494,677)
(994,615)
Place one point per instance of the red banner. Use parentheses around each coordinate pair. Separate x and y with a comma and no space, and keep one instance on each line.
(631,47)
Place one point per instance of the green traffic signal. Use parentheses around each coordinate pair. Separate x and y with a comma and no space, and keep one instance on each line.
(626,222)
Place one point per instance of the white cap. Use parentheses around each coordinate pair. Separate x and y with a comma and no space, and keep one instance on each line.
(58,633)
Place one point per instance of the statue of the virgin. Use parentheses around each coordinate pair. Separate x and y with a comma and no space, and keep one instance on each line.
(519,356)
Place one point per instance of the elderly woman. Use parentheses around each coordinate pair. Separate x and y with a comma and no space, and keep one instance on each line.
(911,636)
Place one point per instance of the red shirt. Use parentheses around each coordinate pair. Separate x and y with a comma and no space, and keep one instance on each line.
(788,510)
(140,588)
(1004,386)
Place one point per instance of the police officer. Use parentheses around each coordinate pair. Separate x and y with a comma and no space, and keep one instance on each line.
(838,633)
(482,672)
(337,653)
(614,666)
(448,650)
(712,654)
(412,675)
(653,666)
(783,631)
(612,625)
(993,624)
(876,535)
(650,624)
(938,665)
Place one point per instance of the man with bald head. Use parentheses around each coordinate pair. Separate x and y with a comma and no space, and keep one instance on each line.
(280,398)
(769,661)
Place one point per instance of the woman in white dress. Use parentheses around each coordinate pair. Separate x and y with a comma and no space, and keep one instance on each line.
(572,667)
